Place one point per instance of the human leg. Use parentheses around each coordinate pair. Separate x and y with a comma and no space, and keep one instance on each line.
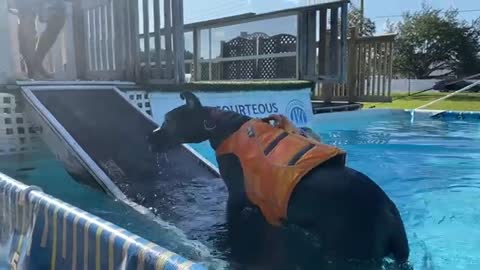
(55,20)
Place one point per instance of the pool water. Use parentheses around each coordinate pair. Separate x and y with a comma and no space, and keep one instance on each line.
(430,169)
(43,170)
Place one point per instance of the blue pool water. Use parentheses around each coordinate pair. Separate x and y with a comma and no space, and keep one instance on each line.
(43,170)
(430,168)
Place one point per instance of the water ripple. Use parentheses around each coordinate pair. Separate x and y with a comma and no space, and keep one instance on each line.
(431,169)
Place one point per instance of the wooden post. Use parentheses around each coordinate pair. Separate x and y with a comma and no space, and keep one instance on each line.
(379,68)
(327,90)
(98,30)
(220,65)
(322,47)
(368,60)
(69,47)
(210,65)
(385,68)
(92,48)
(362,17)
(120,38)
(134,50)
(167,12)
(178,41)
(110,45)
(343,43)
(197,74)
(333,42)
(306,45)
(146,38)
(311,53)
(302,44)
(156,28)
(352,67)
(80,40)
(390,69)
(103,37)
(374,68)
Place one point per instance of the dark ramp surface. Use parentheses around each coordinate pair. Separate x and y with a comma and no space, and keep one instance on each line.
(113,133)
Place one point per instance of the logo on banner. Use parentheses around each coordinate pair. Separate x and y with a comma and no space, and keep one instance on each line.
(296,112)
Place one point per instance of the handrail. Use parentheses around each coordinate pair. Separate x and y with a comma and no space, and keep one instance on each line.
(449,95)
(463,79)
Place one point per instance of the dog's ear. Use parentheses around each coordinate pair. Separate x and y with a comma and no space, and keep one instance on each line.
(191,100)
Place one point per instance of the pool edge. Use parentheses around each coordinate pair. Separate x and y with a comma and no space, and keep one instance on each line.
(30,234)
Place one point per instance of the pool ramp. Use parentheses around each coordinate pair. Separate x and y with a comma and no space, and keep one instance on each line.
(100,137)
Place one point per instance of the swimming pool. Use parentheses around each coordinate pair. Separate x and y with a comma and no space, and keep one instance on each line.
(431,170)
(428,167)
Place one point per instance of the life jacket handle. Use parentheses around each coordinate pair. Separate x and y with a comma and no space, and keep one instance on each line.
(282,122)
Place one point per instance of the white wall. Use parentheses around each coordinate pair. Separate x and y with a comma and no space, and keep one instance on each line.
(403,85)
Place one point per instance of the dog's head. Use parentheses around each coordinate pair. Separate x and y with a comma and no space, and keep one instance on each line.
(185,124)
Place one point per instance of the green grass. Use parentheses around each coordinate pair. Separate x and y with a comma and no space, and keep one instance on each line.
(458,102)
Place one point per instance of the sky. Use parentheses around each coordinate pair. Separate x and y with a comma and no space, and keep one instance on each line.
(378,10)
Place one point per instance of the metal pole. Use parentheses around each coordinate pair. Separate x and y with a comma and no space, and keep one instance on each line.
(409,85)
(447,96)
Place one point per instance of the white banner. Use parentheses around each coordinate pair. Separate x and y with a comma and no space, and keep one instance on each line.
(295,104)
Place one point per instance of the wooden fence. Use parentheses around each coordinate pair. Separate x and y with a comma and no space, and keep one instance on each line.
(281,55)
(369,62)
(144,41)
(117,47)
(253,58)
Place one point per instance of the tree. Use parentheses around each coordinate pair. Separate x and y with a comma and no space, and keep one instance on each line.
(429,42)
(355,20)
(390,27)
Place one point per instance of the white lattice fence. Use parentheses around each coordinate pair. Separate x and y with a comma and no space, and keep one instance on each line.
(140,99)
(16,132)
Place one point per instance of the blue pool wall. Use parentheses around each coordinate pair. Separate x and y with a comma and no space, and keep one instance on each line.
(38,231)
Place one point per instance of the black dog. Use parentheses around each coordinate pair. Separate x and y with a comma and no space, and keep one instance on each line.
(346,211)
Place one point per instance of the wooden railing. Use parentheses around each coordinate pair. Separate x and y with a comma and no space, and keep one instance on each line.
(294,57)
(109,49)
(143,40)
(369,65)
(115,40)
(117,49)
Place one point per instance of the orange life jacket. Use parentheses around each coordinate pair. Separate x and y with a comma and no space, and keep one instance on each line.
(273,162)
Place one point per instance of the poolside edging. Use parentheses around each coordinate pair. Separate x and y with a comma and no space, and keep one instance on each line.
(38,231)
